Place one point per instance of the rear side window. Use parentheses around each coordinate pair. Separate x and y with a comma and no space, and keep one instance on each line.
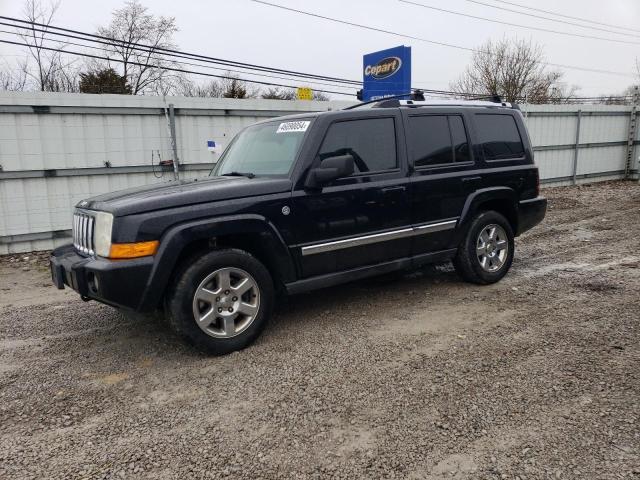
(499,137)
(437,140)
(372,142)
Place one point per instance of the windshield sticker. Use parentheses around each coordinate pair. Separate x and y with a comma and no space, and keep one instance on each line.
(287,127)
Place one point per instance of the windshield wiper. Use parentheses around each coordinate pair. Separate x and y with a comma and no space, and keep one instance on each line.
(239,174)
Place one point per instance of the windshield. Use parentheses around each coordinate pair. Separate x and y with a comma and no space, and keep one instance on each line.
(263,149)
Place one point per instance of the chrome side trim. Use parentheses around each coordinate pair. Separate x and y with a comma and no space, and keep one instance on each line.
(379,237)
(354,242)
(435,227)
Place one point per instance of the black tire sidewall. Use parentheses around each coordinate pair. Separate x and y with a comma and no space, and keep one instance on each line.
(180,299)
(479,223)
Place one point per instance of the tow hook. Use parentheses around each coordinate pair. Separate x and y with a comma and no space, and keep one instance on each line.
(85,298)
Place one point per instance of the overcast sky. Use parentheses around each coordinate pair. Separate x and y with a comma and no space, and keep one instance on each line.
(245,31)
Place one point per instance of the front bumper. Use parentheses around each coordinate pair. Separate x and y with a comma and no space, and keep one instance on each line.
(120,283)
(531,213)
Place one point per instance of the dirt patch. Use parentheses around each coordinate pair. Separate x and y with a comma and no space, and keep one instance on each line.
(416,376)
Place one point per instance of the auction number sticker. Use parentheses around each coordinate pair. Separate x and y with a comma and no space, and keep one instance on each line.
(287,127)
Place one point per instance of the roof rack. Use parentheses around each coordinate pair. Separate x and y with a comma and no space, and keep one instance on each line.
(442,103)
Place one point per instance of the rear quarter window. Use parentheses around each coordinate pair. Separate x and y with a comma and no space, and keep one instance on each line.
(498,136)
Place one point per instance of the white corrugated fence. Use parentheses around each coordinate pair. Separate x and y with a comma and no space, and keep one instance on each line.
(56,149)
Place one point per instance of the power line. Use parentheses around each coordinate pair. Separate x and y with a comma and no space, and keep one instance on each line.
(150,50)
(195,56)
(66,42)
(540,29)
(566,16)
(153,50)
(564,22)
(98,57)
(147,49)
(434,42)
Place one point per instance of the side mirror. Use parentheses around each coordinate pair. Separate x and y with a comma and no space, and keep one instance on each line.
(330,169)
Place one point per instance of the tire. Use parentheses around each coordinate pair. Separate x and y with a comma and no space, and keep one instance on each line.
(480,259)
(232,318)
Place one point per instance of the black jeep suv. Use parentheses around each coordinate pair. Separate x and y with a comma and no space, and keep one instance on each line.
(307,201)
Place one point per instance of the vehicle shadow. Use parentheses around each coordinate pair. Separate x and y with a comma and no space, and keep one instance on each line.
(371,291)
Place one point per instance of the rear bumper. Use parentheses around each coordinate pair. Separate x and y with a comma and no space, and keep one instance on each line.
(531,213)
(120,283)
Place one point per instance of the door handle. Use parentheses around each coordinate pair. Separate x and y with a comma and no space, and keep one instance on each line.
(471,179)
(393,189)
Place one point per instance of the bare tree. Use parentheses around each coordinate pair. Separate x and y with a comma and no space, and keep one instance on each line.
(275,93)
(189,88)
(231,86)
(514,70)
(143,67)
(52,71)
(12,78)
(320,97)
(627,97)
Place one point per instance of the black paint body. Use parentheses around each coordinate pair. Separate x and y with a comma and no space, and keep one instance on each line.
(247,213)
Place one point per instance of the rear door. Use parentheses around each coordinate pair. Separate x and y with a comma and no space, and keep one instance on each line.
(358,220)
(444,173)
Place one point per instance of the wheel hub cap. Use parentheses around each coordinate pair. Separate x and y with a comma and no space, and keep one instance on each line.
(226,302)
(492,248)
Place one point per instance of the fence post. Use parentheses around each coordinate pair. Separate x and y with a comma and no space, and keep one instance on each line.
(174,142)
(574,173)
(631,139)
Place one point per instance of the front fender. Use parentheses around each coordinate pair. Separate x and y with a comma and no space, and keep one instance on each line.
(179,237)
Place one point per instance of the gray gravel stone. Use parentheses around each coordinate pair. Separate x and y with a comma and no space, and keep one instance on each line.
(415,377)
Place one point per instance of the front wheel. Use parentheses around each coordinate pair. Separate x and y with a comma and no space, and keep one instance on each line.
(486,252)
(221,301)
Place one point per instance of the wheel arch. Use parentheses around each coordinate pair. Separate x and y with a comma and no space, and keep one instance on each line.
(252,233)
(500,199)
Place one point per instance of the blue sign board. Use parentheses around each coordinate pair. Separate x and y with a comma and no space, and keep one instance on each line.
(386,73)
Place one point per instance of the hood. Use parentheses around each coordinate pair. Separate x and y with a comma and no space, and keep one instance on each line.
(179,193)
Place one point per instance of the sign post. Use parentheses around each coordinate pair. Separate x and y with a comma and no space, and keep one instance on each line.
(386,73)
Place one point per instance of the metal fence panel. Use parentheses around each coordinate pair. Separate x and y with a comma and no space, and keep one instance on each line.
(46,139)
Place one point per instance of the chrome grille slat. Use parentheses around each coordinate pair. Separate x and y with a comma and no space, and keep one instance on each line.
(84,234)
(82,240)
(90,236)
(85,240)
(83,230)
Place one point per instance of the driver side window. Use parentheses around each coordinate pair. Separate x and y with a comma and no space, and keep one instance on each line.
(371,142)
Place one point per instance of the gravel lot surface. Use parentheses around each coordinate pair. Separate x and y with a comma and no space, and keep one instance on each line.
(415,376)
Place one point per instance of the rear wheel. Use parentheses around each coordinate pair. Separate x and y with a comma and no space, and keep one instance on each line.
(221,301)
(486,252)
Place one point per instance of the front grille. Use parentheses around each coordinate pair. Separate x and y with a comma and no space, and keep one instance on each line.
(83,224)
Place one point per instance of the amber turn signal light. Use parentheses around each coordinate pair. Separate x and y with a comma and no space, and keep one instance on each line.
(133,250)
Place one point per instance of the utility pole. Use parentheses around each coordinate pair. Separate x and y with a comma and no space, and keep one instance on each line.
(633,130)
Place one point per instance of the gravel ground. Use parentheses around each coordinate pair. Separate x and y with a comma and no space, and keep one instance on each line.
(418,376)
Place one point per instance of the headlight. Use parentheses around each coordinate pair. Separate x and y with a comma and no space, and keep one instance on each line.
(102,235)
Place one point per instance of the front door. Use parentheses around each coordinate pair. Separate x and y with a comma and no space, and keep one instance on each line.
(358,220)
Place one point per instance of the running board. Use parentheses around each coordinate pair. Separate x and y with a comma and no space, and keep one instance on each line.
(331,279)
